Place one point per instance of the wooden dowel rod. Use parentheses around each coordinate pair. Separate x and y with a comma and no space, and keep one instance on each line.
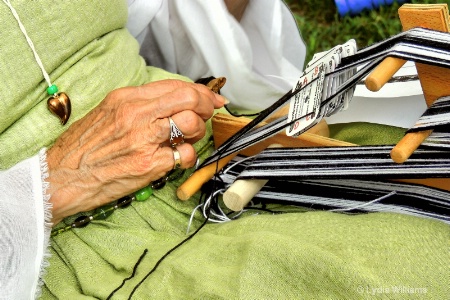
(383,73)
(194,183)
(408,144)
(241,192)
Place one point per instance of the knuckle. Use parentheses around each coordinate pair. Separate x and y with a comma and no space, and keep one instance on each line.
(189,157)
(191,96)
(159,130)
(176,83)
(116,95)
(124,116)
(190,160)
(191,118)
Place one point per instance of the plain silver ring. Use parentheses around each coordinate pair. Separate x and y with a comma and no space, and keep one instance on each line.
(176,158)
(176,136)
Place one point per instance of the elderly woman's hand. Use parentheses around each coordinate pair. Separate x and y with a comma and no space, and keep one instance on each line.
(122,145)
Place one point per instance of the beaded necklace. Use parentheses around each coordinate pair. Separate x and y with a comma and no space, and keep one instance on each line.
(105,211)
(58,103)
(141,195)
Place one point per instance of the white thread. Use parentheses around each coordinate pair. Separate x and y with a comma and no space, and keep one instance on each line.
(204,206)
(236,163)
(365,204)
(192,218)
(30,42)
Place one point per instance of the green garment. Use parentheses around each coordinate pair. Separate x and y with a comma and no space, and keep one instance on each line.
(86,51)
(297,255)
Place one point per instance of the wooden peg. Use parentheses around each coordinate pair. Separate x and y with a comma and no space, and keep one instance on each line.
(242,191)
(194,183)
(383,72)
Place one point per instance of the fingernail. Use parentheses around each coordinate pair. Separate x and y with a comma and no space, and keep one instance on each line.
(226,101)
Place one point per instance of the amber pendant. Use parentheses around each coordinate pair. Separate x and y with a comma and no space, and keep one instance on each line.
(59,105)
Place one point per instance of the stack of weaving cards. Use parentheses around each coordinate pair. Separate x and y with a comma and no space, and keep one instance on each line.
(317,85)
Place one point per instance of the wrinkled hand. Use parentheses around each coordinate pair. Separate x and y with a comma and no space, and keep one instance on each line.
(122,144)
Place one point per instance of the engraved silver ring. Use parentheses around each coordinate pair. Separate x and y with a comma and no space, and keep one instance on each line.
(176,136)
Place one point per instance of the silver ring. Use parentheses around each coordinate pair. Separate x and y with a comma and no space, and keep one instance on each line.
(176,158)
(176,136)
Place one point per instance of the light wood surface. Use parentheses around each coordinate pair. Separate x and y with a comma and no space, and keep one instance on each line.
(224,126)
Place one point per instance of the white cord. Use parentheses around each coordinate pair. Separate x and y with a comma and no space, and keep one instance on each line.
(365,204)
(30,42)
(236,163)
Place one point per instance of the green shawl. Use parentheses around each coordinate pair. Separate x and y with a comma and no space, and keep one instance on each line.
(296,255)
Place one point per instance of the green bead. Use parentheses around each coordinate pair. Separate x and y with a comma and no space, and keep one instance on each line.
(51,90)
(144,193)
(104,212)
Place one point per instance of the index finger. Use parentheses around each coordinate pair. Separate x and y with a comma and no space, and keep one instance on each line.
(159,88)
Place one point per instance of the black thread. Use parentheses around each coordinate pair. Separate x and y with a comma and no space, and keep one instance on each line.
(131,276)
(164,256)
(395,79)
(240,115)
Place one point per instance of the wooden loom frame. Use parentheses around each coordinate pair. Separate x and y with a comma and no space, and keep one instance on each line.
(435,82)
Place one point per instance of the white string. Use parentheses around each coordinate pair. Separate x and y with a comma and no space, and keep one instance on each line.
(237,163)
(192,217)
(204,207)
(30,42)
(365,204)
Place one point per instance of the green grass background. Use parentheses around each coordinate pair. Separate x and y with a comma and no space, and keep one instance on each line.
(322,28)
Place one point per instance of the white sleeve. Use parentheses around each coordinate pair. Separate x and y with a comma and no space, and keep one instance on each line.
(261,56)
(24,228)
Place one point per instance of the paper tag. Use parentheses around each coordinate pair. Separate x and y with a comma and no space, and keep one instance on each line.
(305,105)
(329,58)
(350,48)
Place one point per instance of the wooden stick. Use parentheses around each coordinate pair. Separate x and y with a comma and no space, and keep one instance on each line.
(242,191)
(383,72)
(408,144)
(194,183)
(432,16)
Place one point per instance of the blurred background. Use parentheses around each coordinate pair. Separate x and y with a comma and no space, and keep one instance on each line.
(322,27)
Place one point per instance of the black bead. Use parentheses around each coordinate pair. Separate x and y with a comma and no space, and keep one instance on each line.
(125,201)
(81,221)
(158,184)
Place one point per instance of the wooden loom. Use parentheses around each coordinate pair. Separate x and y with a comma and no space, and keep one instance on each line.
(435,82)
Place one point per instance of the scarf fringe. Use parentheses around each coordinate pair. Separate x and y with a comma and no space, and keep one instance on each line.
(47,220)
